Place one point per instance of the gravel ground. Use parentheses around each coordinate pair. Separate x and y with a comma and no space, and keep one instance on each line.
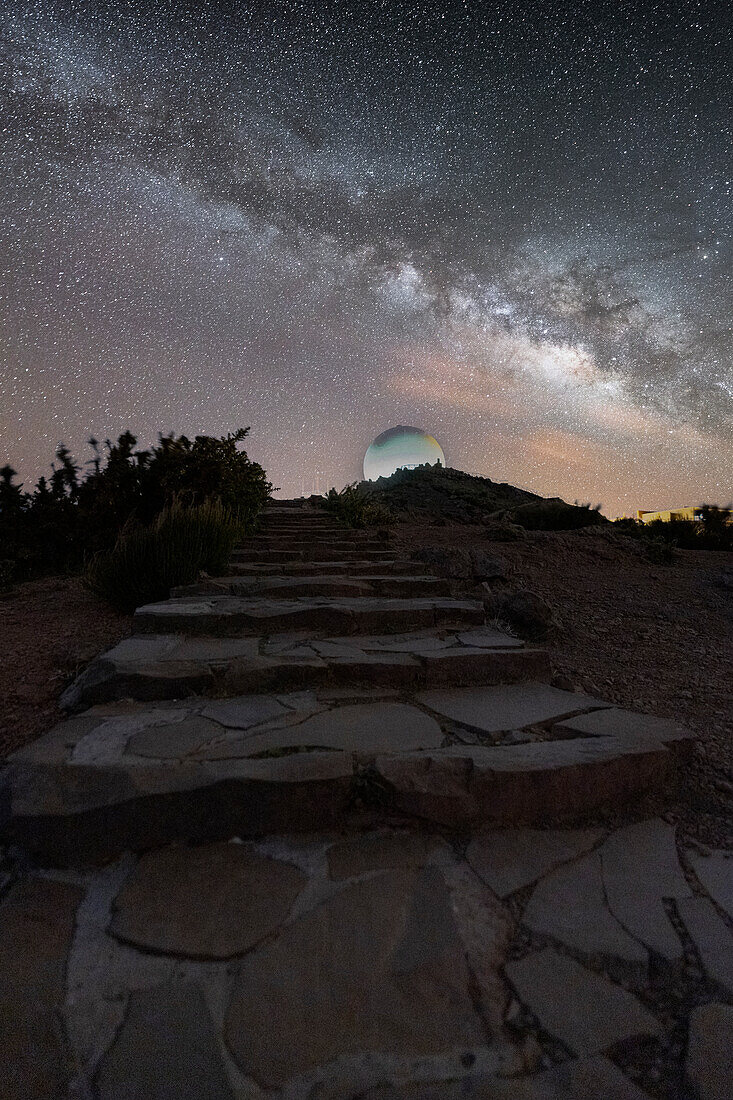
(655,638)
(49,630)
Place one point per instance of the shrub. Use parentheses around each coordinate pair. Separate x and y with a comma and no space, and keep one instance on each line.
(555,515)
(712,531)
(70,517)
(7,574)
(354,507)
(146,562)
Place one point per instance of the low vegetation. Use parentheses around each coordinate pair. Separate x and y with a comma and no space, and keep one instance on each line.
(354,507)
(180,543)
(450,495)
(555,515)
(713,531)
(126,502)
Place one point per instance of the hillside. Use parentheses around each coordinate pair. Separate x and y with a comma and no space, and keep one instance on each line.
(453,496)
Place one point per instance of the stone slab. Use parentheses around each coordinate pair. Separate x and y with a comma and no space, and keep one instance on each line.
(378,967)
(215,649)
(36,928)
(166,1049)
(538,782)
(223,615)
(371,727)
(640,869)
(245,712)
(712,938)
(488,638)
(174,741)
(214,901)
(509,859)
(569,905)
(583,1010)
(382,852)
(143,649)
(709,1064)
(506,707)
(716,874)
(594,1078)
(626,723)
(463,665)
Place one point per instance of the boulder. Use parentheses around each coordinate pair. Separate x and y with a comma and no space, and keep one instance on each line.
(526,612)
(471,564)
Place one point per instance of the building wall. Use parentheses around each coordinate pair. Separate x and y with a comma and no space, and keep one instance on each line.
(668,516)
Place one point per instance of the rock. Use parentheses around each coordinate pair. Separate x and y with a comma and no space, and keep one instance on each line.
(209,902)
(526,612)
(709,1065)
(166,1049)
(453,562)
(509,859)
(500,531)
(460,564)
(36,928)
(485,566)
(379,966)
(569,905)
(584,1011)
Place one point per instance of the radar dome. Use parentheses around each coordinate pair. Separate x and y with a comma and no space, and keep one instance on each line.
(398,449)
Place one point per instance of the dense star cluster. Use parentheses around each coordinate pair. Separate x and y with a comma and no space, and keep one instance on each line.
(509,224)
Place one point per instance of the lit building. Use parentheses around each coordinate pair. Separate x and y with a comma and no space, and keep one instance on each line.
(670,515)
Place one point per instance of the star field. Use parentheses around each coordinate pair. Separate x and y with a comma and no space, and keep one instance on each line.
(507,224)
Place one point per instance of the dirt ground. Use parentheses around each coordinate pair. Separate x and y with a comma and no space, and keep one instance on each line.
(655,638)
(49,630)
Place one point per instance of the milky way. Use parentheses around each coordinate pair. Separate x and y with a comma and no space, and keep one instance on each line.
(507,225)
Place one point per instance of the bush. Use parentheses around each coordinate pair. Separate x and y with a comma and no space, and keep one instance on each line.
(555,515)
(7,574)
(712,531)
(147,562)
(354,507)
(70,517)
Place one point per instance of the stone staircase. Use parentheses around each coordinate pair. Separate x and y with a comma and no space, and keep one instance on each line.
(254,703)
(306,821)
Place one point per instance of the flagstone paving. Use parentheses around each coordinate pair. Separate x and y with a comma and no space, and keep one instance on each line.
(345,878)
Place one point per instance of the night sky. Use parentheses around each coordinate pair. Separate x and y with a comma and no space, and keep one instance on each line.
(509,225)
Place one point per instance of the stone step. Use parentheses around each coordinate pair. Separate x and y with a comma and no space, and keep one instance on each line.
(354,567)
(301,530)
(312,552)
(318,584)
(133,776)
(303,541)
(225,616)
(172,666)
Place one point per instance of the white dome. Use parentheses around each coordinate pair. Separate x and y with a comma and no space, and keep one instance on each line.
(398,449)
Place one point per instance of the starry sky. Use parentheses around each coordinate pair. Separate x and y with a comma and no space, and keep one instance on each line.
(506,224)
